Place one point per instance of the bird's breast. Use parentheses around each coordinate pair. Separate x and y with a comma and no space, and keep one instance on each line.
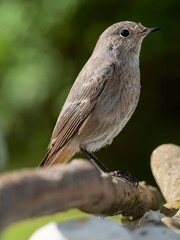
(112,111)
(118,102)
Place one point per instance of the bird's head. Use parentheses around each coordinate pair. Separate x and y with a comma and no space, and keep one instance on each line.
(123,38)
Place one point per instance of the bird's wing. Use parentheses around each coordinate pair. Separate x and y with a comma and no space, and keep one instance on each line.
(78,109)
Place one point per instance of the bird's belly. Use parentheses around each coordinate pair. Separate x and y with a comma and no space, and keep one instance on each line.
(109,117)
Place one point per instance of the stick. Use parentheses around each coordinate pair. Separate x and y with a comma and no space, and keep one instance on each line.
(32,193)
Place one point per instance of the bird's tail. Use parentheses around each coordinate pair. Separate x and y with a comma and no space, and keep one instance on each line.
(62,156)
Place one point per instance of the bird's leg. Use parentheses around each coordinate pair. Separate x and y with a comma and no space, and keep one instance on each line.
(100,166)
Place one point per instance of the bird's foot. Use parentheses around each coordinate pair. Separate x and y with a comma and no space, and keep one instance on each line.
(126,175)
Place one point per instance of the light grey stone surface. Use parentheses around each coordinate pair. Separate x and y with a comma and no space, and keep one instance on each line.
(82,229)
(165,165)
(155,233)
(100,229)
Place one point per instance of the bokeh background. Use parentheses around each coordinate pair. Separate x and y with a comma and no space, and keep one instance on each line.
(43,46)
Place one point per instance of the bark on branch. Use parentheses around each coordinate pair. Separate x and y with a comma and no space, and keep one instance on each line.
(32,193)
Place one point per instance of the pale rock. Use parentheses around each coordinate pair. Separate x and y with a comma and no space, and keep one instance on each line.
(173,222)
(151,218)
(82,229)
(100,229)
(155,233)
(165,165)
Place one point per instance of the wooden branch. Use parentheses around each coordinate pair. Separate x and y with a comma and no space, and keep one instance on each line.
(32,193)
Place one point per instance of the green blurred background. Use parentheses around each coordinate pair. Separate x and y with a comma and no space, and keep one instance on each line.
(43,46)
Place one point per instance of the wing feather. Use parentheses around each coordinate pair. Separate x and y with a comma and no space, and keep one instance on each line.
(77,108)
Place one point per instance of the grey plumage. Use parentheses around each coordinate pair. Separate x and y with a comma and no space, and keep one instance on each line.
(103,96)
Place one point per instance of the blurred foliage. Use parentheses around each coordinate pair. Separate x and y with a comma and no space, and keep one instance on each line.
(24,229)
(43,46)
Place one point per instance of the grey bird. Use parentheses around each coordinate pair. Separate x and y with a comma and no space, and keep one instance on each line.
(103,97)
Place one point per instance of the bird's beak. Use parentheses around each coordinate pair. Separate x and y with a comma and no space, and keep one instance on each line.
(150,30)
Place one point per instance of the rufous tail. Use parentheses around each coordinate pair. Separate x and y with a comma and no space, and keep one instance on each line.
(62,156)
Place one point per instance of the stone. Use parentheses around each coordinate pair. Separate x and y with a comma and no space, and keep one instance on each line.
(155,233)
(100,229)
(151,218)
(165,165)
(173,223)
(82,229)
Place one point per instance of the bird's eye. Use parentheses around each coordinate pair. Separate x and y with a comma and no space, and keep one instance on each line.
(124,33)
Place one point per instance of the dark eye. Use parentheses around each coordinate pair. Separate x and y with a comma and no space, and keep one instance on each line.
(124,33)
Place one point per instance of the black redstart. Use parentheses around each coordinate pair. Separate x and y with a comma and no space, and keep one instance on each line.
(103,96)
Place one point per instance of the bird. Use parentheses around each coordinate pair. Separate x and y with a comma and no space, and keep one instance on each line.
(103,97)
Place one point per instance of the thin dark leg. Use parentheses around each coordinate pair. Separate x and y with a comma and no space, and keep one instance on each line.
(101,167)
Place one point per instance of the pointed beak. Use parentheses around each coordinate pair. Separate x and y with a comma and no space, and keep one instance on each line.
(150,30)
